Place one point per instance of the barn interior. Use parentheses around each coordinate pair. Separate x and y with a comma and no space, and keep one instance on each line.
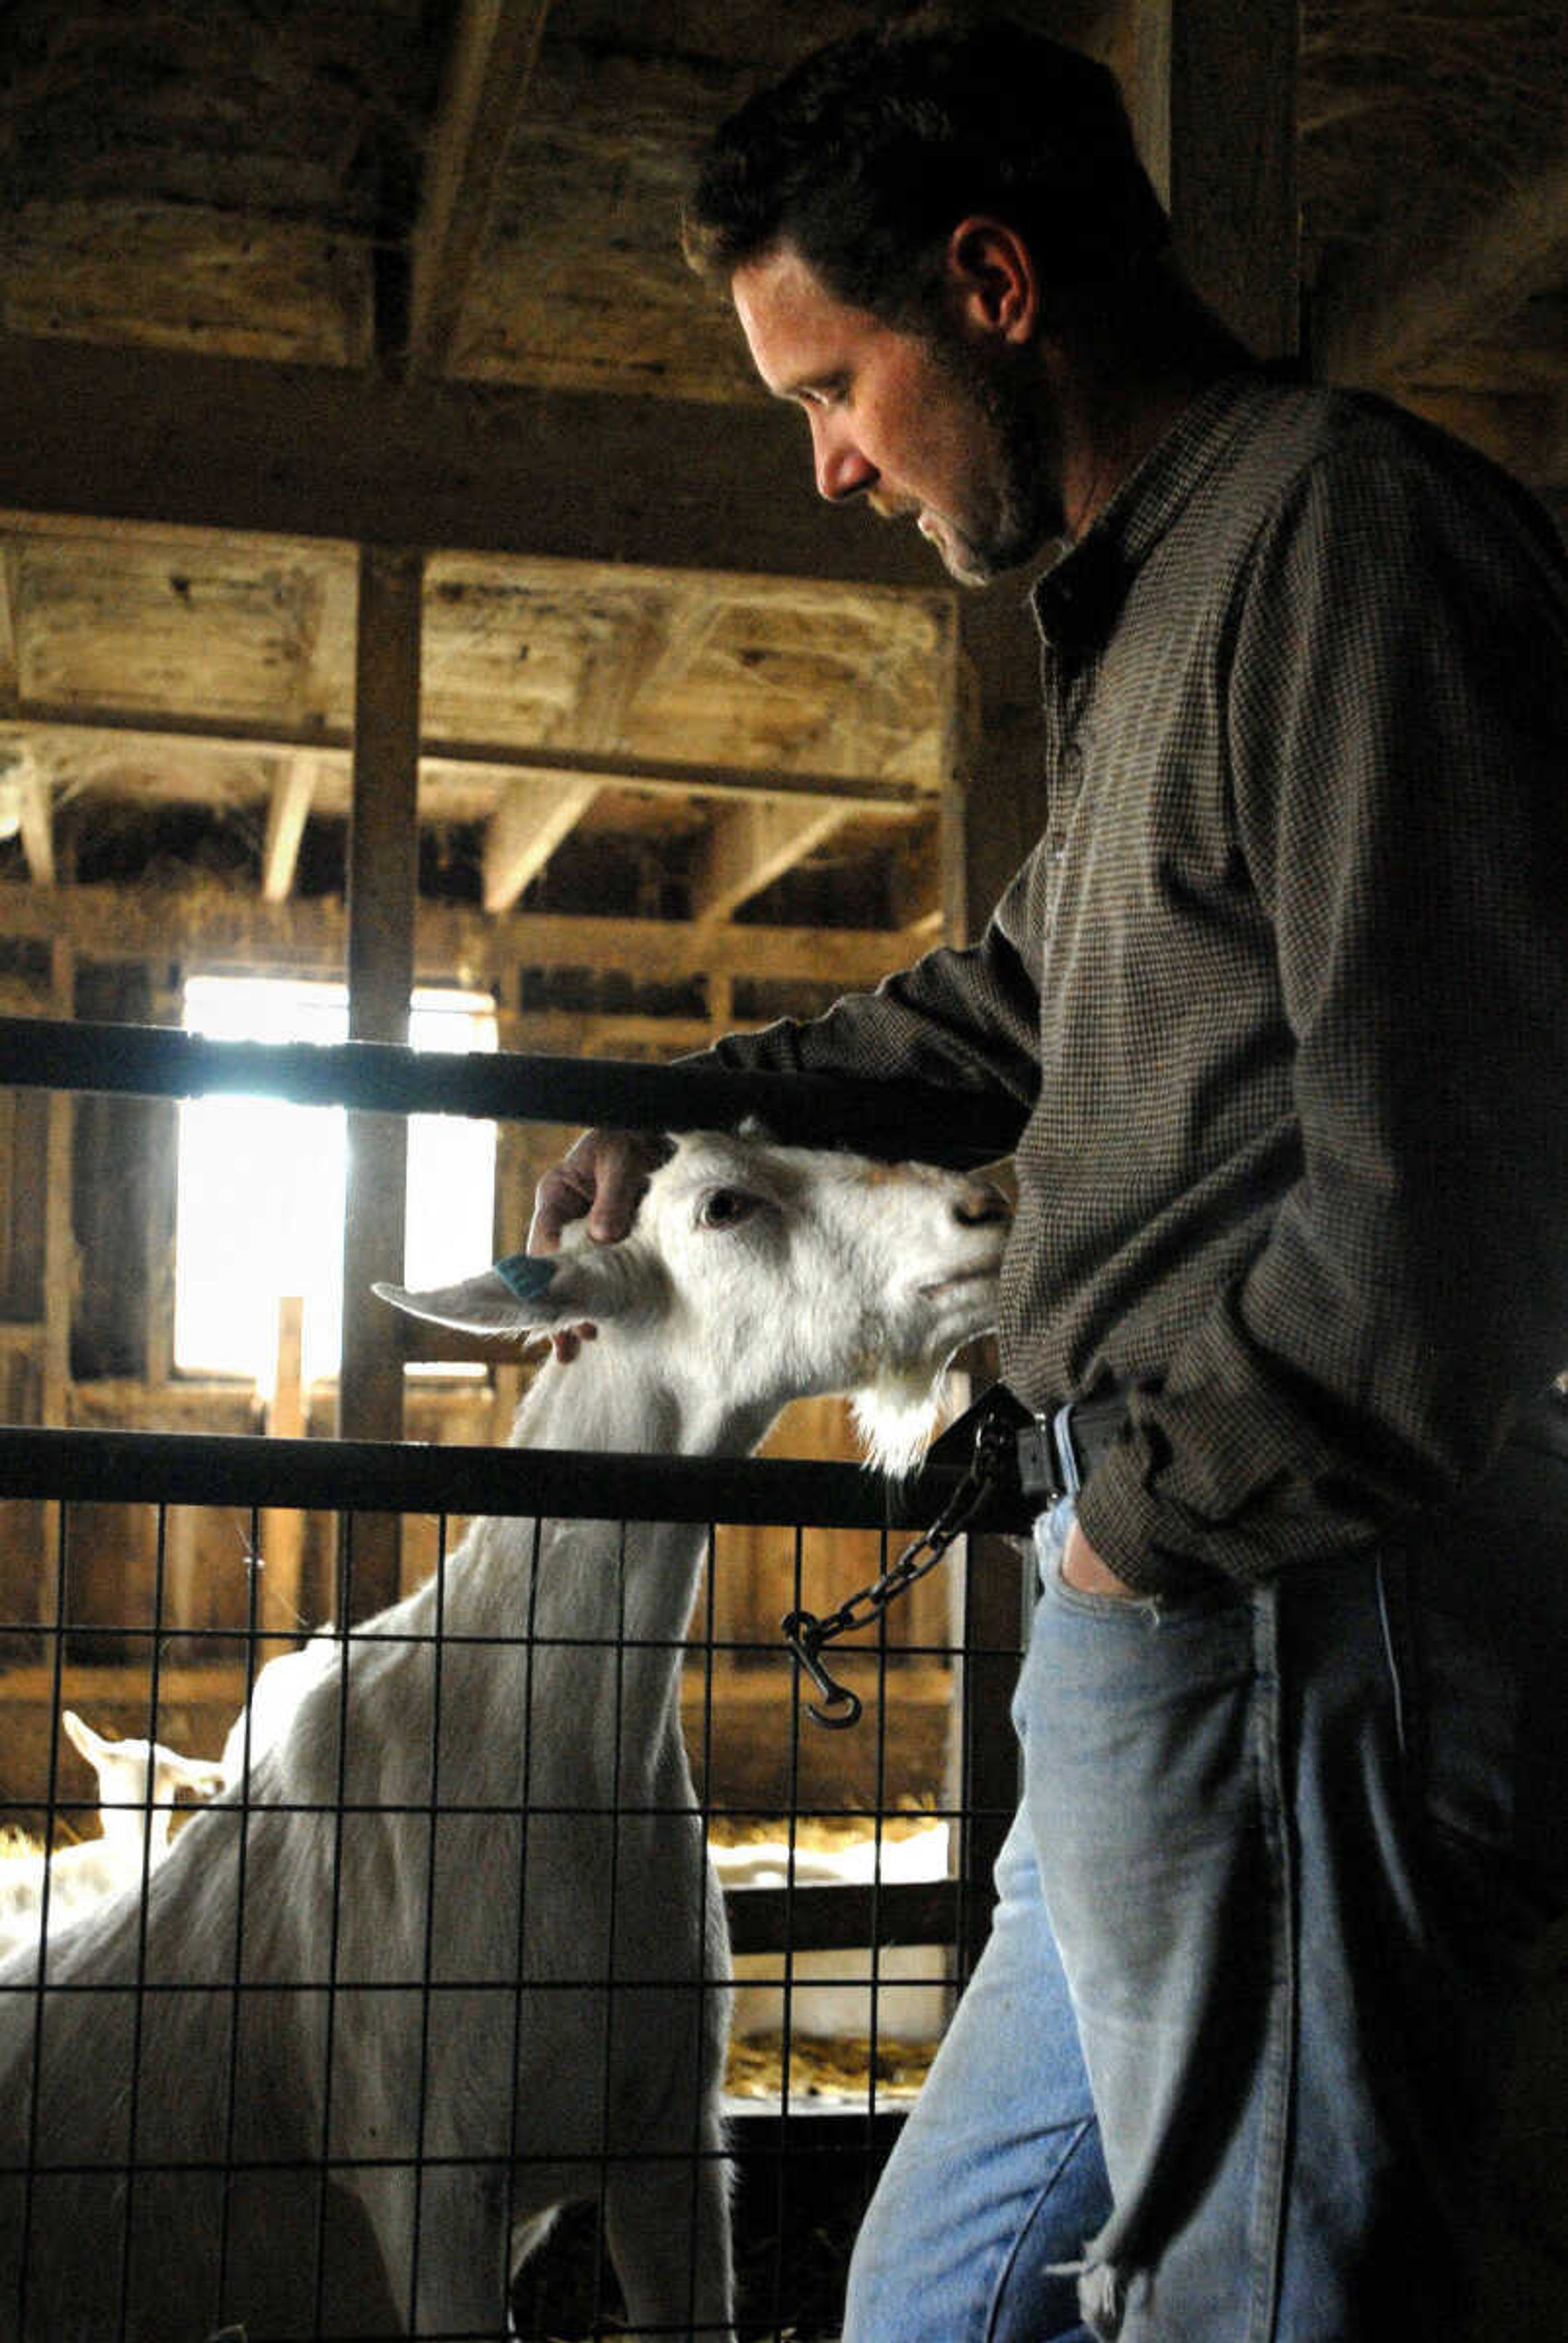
(406,583)
(404,580)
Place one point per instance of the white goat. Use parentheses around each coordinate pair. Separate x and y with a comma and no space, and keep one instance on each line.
(278,1689)
(475,2023)
(137,1782)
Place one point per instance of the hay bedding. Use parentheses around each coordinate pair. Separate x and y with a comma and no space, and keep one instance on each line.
(829,2071)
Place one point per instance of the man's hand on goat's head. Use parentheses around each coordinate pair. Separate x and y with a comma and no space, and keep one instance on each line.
(601,1175)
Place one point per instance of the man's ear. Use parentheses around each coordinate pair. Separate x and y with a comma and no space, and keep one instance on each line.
(525,1294)
(992,284)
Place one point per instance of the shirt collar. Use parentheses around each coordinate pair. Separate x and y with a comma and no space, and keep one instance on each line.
(1076,600)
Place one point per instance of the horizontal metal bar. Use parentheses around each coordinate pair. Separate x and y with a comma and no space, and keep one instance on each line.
(161,1061)
(834,1919)
(185,1468)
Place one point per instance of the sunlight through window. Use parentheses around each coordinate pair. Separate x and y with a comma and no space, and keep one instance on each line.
(260,1200)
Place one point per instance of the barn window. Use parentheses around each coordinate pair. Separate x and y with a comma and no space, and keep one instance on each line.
(260,1182)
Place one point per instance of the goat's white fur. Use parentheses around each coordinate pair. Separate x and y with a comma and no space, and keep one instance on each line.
(137,1784)
(275,1695)
(754,1273)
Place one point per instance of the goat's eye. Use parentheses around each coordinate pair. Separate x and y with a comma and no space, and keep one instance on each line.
(725,1208)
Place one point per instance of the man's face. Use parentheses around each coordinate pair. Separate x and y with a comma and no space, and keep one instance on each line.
(944,431)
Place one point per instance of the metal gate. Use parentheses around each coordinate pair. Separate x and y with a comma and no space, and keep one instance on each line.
(831,1965)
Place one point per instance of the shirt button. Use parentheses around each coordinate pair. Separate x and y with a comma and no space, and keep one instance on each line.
(1072,766)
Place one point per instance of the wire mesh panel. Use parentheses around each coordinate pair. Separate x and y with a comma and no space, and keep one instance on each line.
(322,2056)
(445,1951)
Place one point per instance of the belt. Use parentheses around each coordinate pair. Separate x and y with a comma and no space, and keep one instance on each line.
(1057,1453)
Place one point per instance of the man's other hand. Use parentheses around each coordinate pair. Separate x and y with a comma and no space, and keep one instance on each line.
(1082,1569)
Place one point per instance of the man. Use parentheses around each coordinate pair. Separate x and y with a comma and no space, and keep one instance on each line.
(1281,1000)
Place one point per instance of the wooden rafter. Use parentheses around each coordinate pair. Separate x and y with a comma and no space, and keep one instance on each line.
(537,813)
(915,886)
(525,830)
(26,810)
(208,928)
(555,767)
(38,825)
(750,846)
(293,788)
(10,648)
(488,66)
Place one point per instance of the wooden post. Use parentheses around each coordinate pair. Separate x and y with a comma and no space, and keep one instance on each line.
(383,874)
(283,1528)
(1213,105)
(59,1280)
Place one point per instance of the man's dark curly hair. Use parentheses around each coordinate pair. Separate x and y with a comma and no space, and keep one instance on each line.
(869,153)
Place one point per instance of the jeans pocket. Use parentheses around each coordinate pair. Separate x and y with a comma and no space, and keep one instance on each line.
(1144,1609)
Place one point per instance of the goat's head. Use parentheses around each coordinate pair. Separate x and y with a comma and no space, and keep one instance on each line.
(137,1782)
(762,1273)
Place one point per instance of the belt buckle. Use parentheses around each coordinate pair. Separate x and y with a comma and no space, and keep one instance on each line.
(1048,1459)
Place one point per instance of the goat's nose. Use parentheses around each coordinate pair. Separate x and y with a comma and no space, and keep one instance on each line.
(980,1201)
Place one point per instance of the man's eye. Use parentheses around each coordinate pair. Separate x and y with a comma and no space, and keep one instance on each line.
(724,1207)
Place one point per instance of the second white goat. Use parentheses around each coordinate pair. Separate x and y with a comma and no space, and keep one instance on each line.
(137,1784)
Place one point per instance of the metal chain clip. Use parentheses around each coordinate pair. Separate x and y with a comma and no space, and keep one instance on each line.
(994,1462)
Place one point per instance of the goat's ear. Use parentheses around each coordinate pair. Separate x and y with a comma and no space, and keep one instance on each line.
(526,1292)
(92,1744)
(202,1776)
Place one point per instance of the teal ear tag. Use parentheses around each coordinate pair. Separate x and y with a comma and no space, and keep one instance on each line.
(526,1275)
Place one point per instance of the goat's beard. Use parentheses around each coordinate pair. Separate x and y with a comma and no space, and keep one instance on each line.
(896,1416)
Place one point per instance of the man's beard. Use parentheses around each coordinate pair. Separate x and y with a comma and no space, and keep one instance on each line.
(1020,416)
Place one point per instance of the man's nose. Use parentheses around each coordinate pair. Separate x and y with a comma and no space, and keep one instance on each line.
(841,470)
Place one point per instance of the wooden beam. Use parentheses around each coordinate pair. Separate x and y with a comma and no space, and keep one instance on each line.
(383,855)
(525,830)
(10,646)
(206,928)
(536,815)
(293,788)
(36,821)
(488,69)
(26,807)
(283,1592)
(144,435)
(553,767)
(915,888)
(1213,107)
(749,846)
(382,875)
(61,1266)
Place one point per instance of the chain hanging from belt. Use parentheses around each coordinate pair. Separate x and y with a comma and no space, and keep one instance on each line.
(994,1466)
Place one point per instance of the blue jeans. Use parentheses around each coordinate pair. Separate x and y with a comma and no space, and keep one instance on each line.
(1297,1843)
(978,2226)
